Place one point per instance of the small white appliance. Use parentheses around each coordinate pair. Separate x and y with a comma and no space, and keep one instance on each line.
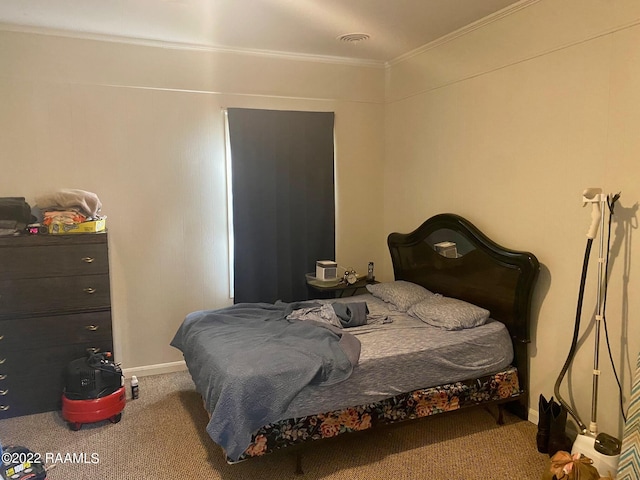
(326,270)
(447,249)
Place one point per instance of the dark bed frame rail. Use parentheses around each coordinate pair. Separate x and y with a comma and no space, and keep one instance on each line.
(485,274)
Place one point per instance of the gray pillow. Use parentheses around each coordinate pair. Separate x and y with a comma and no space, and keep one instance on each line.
(399,294)
(449,313)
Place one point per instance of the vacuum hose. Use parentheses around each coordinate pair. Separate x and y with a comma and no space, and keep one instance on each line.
(574,342)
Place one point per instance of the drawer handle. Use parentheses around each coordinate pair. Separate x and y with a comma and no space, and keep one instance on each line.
(4,408)
(3,376)
(1,337)
(89,290)
(88,259)
(4,392)
(2,360)
(92,328)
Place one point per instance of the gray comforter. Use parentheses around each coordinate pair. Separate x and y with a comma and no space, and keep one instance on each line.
(256,362)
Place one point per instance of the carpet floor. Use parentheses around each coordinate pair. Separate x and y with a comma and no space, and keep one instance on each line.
(162,436)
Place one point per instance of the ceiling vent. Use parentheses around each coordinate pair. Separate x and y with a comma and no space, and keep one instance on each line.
(354,37)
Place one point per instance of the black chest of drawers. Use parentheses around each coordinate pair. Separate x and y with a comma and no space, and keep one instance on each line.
(55,303)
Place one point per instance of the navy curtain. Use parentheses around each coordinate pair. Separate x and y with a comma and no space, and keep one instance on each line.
(283,200)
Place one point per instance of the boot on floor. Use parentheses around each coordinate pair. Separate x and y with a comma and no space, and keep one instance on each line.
(558,440)
(544,424)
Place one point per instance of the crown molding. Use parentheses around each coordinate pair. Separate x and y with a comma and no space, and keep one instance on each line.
(467,29)
(35,30)
(511,9)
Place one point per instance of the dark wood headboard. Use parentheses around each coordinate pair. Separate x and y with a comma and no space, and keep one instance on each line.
(482,272)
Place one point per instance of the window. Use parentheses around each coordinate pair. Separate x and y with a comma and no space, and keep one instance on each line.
(282,202)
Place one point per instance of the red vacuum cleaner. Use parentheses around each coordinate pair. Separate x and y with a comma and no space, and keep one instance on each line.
(94,391)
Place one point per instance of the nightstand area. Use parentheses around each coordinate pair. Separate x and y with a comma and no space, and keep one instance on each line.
(337,290)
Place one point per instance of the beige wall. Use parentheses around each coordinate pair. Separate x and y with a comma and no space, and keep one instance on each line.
(506,125)
(143,128)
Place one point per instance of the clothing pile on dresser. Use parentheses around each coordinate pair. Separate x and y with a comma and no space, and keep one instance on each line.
(15,214)
(69,206)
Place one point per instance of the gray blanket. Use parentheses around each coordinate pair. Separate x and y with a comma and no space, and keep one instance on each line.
(248,362)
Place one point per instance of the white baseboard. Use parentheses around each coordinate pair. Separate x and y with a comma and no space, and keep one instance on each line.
(157,369)
(533,416)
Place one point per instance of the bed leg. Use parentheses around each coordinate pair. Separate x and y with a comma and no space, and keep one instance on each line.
(299,470)
(500,414)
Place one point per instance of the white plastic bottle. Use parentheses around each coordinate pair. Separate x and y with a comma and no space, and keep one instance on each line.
(135,393)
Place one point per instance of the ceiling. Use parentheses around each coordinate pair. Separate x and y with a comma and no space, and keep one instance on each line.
(308,27)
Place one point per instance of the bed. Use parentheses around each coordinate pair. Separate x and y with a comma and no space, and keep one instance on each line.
(273,378)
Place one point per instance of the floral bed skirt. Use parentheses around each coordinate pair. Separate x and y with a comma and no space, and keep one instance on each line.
(406,406)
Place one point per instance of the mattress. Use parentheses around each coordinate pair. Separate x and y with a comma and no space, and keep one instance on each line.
(404,355)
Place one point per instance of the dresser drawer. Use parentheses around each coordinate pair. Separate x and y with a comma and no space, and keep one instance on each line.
(33,395)
(54,294)
(28,334)
(32,381)
(49,261)
(22,367)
